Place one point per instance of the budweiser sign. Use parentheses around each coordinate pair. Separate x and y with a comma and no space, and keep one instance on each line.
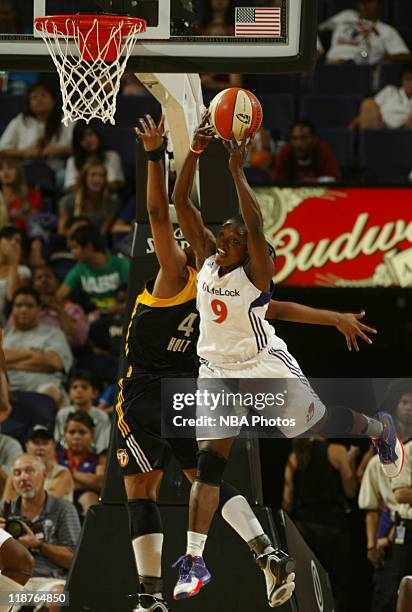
(354,237)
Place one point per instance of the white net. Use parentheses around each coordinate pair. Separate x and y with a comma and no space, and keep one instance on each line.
(90,62)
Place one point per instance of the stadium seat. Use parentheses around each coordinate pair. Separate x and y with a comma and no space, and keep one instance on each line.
(272,83)
(401,13)
(342,79)
(390,74)
(279,112)
(340,141)
(386,155)
(41,176)
(10,106)
(329,111)
(120,139)
(131,108)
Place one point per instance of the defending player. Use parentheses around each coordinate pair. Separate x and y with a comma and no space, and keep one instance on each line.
(235,272)
(165,313)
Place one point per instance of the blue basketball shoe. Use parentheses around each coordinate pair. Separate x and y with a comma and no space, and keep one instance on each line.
(193,575)
(388,446)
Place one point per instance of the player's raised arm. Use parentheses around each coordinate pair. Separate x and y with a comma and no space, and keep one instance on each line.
(171,257)
(190,220)
(348,323)
(260,266)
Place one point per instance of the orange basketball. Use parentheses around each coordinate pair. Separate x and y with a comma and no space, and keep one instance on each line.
(235,113)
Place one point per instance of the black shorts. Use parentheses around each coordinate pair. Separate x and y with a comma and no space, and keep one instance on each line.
(139,442)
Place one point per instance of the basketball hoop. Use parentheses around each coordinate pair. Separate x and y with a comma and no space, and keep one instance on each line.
(90,53)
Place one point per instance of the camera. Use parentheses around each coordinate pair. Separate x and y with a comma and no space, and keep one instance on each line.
(15,526)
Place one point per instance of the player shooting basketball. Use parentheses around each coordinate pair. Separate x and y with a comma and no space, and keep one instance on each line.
(166,310)
(234,276)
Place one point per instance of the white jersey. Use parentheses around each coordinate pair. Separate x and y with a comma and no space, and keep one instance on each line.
(232,311)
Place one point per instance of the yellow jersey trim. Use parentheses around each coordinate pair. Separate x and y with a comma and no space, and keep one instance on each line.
(188,293)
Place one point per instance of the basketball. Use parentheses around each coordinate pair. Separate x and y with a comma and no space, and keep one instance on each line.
(235,113)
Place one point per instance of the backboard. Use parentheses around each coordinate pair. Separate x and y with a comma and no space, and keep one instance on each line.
(259,36)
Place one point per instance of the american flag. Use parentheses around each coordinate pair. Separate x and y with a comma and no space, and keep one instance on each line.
(259,22)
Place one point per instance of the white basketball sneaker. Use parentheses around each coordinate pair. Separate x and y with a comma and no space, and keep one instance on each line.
(150,603)
(279,571)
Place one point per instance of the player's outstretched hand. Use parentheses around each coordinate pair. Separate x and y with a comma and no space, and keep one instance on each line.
(237,153)
(152,135)
(352,328)
(203,135)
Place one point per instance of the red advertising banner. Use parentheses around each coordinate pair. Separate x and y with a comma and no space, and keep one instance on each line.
(349,237)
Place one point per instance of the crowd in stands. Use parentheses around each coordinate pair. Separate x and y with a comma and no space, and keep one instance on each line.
(67,206)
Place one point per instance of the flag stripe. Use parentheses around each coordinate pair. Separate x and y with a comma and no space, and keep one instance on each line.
(259,22)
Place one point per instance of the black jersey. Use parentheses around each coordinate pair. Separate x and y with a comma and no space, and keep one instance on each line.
(162,334)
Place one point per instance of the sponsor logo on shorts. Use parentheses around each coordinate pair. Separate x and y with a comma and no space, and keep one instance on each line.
(310,413)
(122,457)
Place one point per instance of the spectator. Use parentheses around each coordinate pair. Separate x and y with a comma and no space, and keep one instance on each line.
(88,145)
(318,505)
(213,83)
(17,201)
(86,466)
(83,392)
(38,134)
(59,481)
(8,18)
(122,228)
(377,499)
(9,450)
(65,315)
(402,546)
(106,332)
(52,530)
(97,273)
(107,399)
(218,18)
(12,274)
(390,108)
(305,159)
(16,563)
(131,86)
(260,160)
(37,356)
(359,36)
(92,198)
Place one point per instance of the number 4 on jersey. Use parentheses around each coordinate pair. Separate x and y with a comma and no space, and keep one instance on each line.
(187,325)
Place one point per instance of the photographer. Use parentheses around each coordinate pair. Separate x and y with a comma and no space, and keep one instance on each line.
(46,525)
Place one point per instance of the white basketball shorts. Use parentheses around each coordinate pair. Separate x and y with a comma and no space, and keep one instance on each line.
(302,407)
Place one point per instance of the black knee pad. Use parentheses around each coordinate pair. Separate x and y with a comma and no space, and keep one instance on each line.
(339,422)
(210,467)
(227,491)
(144,517)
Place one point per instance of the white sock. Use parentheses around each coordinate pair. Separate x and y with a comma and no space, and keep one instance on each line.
(240,516)
(195,543)
(148,554)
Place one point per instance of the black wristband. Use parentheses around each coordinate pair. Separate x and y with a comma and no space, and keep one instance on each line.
(157,154)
